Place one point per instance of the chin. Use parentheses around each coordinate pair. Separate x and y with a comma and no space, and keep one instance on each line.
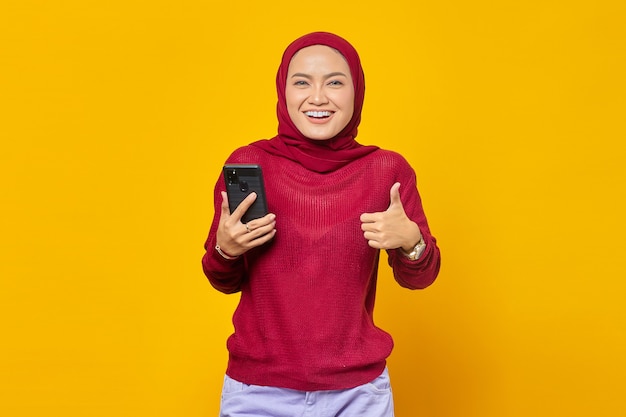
(320,135)
(319,138)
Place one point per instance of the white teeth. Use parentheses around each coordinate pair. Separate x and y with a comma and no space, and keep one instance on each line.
(318,113)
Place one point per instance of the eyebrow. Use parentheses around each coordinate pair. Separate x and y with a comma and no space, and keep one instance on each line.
(332,74)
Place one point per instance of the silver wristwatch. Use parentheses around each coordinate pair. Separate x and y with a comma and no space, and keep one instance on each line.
(417,251)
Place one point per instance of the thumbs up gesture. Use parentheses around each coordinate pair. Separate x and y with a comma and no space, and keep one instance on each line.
(391,229)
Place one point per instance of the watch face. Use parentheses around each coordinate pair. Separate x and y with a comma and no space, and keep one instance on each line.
(417,252)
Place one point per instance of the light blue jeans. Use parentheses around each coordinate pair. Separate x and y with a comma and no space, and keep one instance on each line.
(373,399)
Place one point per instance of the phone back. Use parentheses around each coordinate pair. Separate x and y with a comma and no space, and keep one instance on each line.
(241,180)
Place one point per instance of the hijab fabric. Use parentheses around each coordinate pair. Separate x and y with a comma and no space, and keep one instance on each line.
(321,156)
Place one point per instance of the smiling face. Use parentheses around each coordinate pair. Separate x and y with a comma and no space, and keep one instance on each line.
(319,92)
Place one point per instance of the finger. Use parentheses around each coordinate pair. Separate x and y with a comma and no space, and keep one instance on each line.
(260,231)
(369,235)
(394,195)
(225,208)
(244,206)
(258,236)
(263,239)
(262,221)
(369,227)
(259,227)
(374,244)
(370,217)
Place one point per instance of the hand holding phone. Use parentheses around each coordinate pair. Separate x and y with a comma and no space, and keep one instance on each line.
(233,237)
(241,180)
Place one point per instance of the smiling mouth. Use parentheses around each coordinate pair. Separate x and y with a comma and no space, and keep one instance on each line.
(318,114)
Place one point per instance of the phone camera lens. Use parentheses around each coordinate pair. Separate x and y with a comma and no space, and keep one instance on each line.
(232,177)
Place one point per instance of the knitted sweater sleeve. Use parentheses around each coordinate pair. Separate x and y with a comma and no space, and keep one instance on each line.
(225,275)
(423,272)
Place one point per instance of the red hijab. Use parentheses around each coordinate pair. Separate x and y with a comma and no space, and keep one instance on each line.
(318,155)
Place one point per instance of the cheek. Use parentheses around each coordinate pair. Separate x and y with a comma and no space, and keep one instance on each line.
(347,102)
(292,100)
(349,106)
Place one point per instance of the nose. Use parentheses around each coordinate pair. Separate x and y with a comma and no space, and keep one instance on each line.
(318,96)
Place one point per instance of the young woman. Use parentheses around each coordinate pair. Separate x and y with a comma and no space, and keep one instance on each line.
(305,339)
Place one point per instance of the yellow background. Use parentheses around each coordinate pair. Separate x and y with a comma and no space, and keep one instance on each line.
(116,116)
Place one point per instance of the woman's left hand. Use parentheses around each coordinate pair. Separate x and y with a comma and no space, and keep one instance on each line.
(392,228)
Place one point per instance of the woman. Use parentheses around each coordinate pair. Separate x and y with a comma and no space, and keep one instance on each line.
(304,335)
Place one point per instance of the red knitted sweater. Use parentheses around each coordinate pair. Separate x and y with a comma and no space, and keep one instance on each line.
(305,317)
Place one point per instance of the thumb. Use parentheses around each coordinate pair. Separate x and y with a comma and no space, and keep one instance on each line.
(394,196)
(225,207)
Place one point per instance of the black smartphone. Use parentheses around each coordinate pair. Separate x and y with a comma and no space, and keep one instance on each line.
(241,180)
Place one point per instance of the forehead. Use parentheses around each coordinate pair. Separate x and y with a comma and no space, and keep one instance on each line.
(318,57)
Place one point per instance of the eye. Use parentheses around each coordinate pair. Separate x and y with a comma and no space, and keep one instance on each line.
(335,83)
(300,83)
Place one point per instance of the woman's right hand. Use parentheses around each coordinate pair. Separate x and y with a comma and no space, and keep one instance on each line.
(234,237)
